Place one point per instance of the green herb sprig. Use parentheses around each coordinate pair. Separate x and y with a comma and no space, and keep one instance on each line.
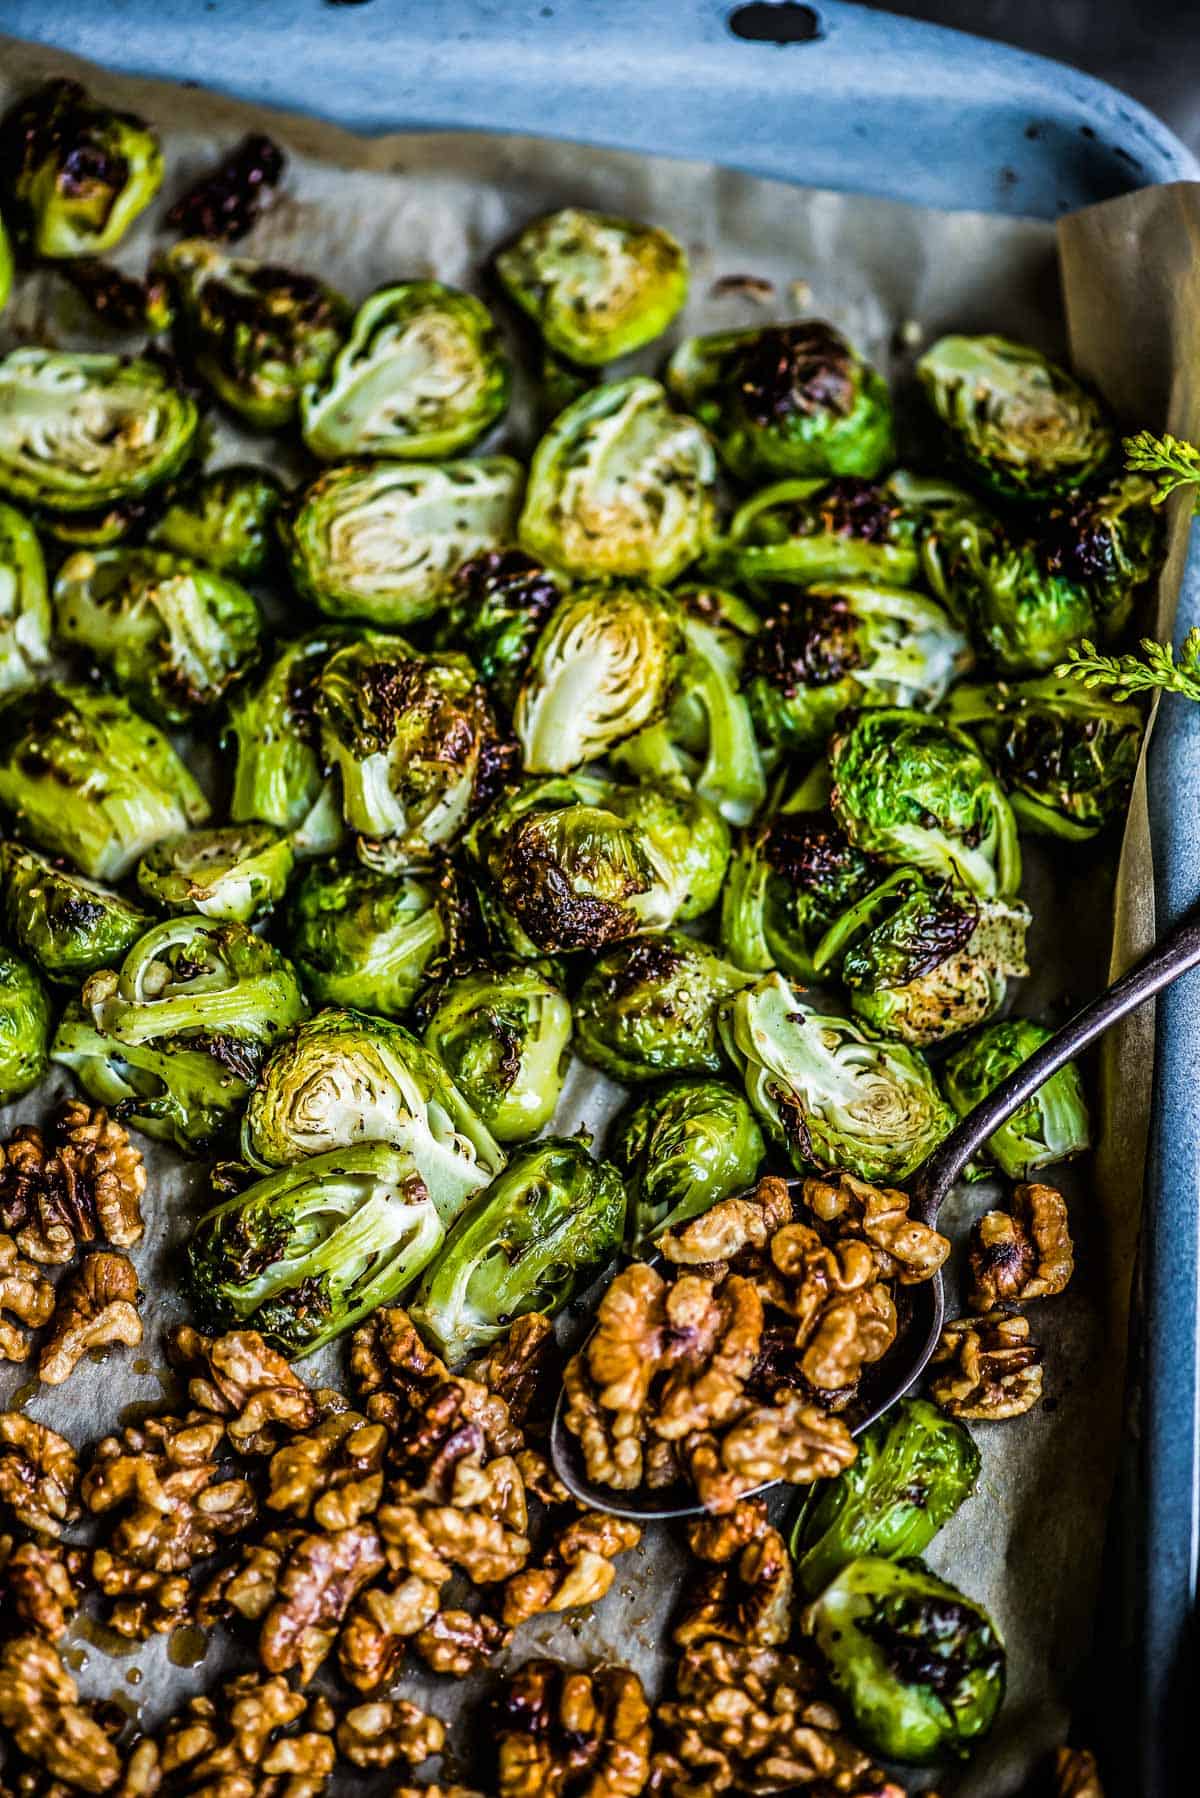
(1155,665)
(1173,462)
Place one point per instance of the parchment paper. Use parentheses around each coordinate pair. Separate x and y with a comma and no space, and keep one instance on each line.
(362,212)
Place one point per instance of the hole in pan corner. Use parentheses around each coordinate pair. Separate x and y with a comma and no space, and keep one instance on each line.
(778,22)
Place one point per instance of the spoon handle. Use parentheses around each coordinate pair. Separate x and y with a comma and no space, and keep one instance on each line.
(1178,952)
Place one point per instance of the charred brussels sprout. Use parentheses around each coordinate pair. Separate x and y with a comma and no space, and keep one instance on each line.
(827,1090)
(526,1244)
(914,790)
(915,1467)
(381,541)
(604,667)
(235,872)
(256,333)
(920,1667)
(224,517)
(503,1035)
(24,603)
(497,605)
(687,838)
(279,774)
(177,1034)
(344,1078)
(681,1147)
(77,173)
(787,399)
(789,882)
(175,634)
(70,926)
(81,431)
(596,287)
(621,485)
(366,939)
(650,1007)
(24,1027)
(422,374)
(85,777)
(1050,1127)
(847,644)
(1067,757)
(1019,424)
(412,737)
(304,1254)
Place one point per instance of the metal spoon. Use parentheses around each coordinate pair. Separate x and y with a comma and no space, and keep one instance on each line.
(928,1186)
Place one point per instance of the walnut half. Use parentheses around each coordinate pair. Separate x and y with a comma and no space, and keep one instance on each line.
(25,1294)
(1024,1253)
(97,1305)
(988,1367)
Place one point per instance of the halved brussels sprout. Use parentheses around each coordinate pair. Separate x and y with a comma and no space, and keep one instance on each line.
(175,634)
(6,267)
(920,1667)
(70,926)
(24,603)
(176,1036)
(1109,539)
(526,1244)
(367,939)
(81,430)
(279,774)
(497,605)
(621,485)
(236,871)
(258,334)
(787,399)
(422,374)
(650,1007)
(687,838)
(789,882)
(1020,424)
(1067,757)
(596,287)
(916,791)
(681,1148)
(832,1093)
(87,778)
(844,644)
(1050,1127)
(915,1467)
(344,1078)
(381,541)
(304,1254)
(224,517)
(24,1027)
(503,1035)
(604,667)
(77,172)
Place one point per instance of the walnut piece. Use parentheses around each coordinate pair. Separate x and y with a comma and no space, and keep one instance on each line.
(1024,1253)
(562,1731)
(746,1593)
(788,1440)
(27,1295)
(39,1475)
(85,1183)
(1076,1774)
(243,1745)
(456,1643)
(239,1378)
(904,1249)
(41,1585)
(41,1712)
(731,1226)
(577,1568)
(333,1474)
(988,1367)
(97,1305)
(518,1366)
(319,1579)
(391,1730)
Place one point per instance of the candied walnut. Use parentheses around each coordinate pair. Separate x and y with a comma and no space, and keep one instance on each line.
(517,1367)
(576,1569)
(248,1586)
(844,1316)
(904,1249)
(459,1642)
(607,1385)
(747,1597)
(85,1183)
(41,1585)
(39,1475)
(731,1226)
(988,1367)
(27,1294)
(437,1791)
(391,1730)
(715,1335)
(432,1540)
(565,1732)
(252,1386)
(334,1474)
(41,1712)
(1022,1254)
(788,1440)
(1076,1774)
(144,1602)
(97,1305)
(242,1746)
(387,1354)
(379,1627)
(317,1583)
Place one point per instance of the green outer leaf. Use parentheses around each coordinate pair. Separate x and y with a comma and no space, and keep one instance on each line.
(69,925)
(24,1027)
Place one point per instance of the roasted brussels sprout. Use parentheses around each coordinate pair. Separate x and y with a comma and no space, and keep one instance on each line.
(596,287)
(526,1244)
(681,1147)
(1050,1127)
(257,334)
(650,1007)
(225,201)
(789,882)
(688,839)
(497,605)
(6,267)
(502,1034)
(422,374)
(920,1667)
(279,774)
(24,603)
(77,173)
(605,666)
(916,791)
(224,517)
(366,939)
(82,430)
(175,634)
(787,399)
(1020,425)
(381,541)
(830,1092)
(68,925)
(24,1027)
(176,1036)
(344,1078)
(412,737)
(621,485)
(236,871)
(304,1254)
(845,644)
(1108,539)
(86,777)
(915,1467)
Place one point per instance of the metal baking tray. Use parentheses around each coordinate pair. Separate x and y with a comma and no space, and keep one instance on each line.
(827,95)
